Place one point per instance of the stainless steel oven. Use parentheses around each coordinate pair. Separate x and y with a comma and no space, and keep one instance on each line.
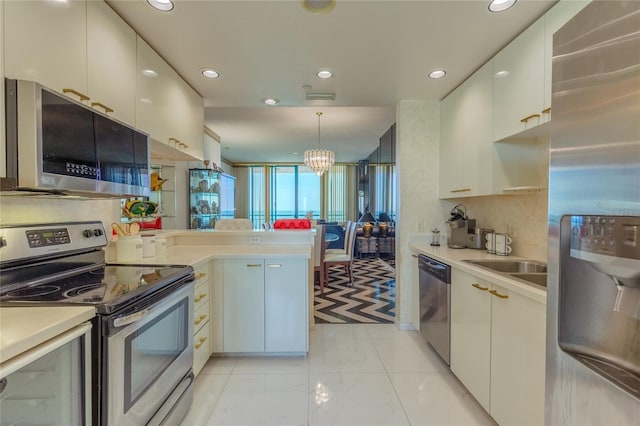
(142,338)
(149,349)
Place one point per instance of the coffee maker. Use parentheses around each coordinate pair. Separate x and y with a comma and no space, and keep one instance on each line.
(460,226)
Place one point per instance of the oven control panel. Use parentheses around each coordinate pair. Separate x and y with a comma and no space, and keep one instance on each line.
(20,242)
(48,237)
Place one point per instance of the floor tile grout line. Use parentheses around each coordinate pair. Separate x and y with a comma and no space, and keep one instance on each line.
(395,391)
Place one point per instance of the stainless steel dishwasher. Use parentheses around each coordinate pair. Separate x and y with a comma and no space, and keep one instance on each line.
(435,306)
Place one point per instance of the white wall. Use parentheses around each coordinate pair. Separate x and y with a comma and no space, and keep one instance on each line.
(419,209)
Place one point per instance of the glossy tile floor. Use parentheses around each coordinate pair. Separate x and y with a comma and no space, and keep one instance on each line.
(355,374)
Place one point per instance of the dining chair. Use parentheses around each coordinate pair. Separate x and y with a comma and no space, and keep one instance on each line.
(234,225)
(342,250)
(345,259)
(318,255)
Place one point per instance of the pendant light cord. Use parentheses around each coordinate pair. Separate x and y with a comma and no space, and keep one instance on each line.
(319,114)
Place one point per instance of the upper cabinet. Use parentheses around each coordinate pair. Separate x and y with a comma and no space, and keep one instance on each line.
(86,51)
(166,107)
(466,143)
(505,102)
(522,73)
(518,86)
(46,42)
(111,66)
(82,49)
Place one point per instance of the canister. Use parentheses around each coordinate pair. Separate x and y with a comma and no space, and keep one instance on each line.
(128,248)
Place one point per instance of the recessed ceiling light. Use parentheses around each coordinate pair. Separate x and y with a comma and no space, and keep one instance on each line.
(149,73)
(319,6)
(271,101)
(209,73)
(501,5)
(437,74)
(163,5)
(324,74)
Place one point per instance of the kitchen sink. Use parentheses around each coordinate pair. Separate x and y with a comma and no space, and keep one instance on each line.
(528,271)
(539,279)
(511,266)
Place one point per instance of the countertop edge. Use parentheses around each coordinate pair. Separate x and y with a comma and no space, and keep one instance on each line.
(454,258)
(24,328)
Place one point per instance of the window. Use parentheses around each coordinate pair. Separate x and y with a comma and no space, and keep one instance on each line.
(291,191)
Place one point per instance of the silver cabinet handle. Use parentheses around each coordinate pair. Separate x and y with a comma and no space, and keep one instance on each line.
(274,265)
(129,319)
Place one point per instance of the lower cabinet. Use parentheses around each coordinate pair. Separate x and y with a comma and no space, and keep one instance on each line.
(265,305)
(201,309)
(471,334)
(498,348)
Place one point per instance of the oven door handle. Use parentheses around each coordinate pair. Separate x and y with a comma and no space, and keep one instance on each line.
(130,319)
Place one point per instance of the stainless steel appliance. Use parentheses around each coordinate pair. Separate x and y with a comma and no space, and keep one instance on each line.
(50,383)
(56,144)
(142,337)
(460,226)
(593,326)
(435,304)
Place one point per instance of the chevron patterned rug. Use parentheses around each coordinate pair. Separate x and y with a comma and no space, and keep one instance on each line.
(372,299)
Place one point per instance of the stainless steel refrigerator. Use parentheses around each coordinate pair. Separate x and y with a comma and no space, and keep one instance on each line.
(593,293)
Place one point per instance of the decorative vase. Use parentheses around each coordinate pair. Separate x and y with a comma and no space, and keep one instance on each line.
(383,230)
(367,229)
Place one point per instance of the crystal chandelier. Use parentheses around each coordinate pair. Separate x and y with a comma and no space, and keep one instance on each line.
(319,160)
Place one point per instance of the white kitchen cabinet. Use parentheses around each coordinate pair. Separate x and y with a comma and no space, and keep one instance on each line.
(451,141)
(265,306)
(521,165)
(243,294)
(554,19)
(111,62)
(46,41)
(471,334)
(83,46)
(466,149)
(201,316)
(518,327)
(518,86)
(166,107)
(285,307)
(498,348)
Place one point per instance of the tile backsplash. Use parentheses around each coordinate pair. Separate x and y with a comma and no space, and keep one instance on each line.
(42,209)
(524,216)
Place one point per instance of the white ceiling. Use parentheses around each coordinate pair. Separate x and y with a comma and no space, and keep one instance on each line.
(380,51)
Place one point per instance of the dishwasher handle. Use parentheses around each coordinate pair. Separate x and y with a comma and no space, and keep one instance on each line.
(435,268)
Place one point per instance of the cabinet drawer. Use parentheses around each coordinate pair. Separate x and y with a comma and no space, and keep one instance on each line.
(202,273)
(201,294)
(201,317)
(201,349)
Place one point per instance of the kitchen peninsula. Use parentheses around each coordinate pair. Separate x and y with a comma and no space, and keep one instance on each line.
(254,289)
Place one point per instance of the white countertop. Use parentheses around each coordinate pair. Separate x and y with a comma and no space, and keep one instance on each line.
(191,255)
(24,328)
(455,257)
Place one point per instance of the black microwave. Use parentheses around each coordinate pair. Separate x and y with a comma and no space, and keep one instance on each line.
(56,144)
